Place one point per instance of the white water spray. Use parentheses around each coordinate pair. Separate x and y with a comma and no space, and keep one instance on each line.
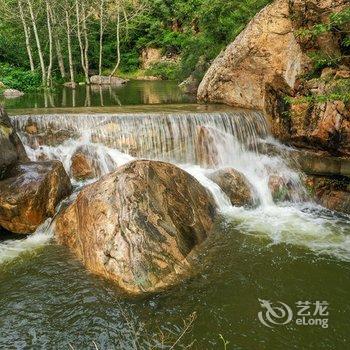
(113,140)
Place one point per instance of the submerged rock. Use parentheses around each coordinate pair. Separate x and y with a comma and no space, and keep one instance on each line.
(105,80)
(281,188)
(12,93)
(138,225)
(30,193)
(235,186)
(11,147)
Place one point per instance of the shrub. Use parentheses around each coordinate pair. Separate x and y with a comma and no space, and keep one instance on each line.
(164,70)
(19,78)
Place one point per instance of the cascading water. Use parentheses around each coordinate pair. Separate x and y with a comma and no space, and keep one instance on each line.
(236,139)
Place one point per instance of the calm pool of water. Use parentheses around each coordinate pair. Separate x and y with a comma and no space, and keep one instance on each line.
(133,93)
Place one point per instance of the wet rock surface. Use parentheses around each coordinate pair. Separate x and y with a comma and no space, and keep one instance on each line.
(139,225)
(88,163)
(11,147)
(332,193)
(29,194)
(235,186)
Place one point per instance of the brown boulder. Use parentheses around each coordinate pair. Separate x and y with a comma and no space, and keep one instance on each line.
(82,167)
(138,225)
(30,193)
(86,163)
(11,147)
(336,201)
(235,186)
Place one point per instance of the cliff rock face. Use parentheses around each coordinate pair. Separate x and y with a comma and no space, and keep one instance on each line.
(271,66)
(138,225)
(266,53)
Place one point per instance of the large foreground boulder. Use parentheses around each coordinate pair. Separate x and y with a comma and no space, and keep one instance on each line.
(235,186)
(30,193)
(138,225)
(11,147)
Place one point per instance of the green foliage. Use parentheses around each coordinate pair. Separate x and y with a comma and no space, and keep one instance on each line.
(195,30)
(130,62)
(19,78)
(164,70)
(322,60)
(336,22)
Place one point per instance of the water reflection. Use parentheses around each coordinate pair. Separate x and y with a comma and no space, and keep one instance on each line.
(133,93)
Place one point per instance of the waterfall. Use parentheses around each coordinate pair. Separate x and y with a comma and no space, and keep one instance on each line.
(113,140)
(239,139)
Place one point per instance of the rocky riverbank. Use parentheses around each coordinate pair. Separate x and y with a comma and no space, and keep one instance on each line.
(292,62)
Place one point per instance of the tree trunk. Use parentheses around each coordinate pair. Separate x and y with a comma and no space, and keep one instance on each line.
(57,45)
(81,46)
(49,29)
(101,39)
(26,34)
(69,47)
(38,44)
(118,47)
(86,46)
(60,58)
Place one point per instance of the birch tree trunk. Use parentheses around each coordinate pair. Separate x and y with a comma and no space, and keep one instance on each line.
(27,37)
(57,44)
(38,43)
(80,41)
(118,45)
(49,29)
(101,38)
(86,46)
(69,47)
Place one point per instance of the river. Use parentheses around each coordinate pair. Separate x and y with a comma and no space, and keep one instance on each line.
(289,252)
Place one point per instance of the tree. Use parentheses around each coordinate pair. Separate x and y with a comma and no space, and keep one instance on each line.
(38,42)
(26,31)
